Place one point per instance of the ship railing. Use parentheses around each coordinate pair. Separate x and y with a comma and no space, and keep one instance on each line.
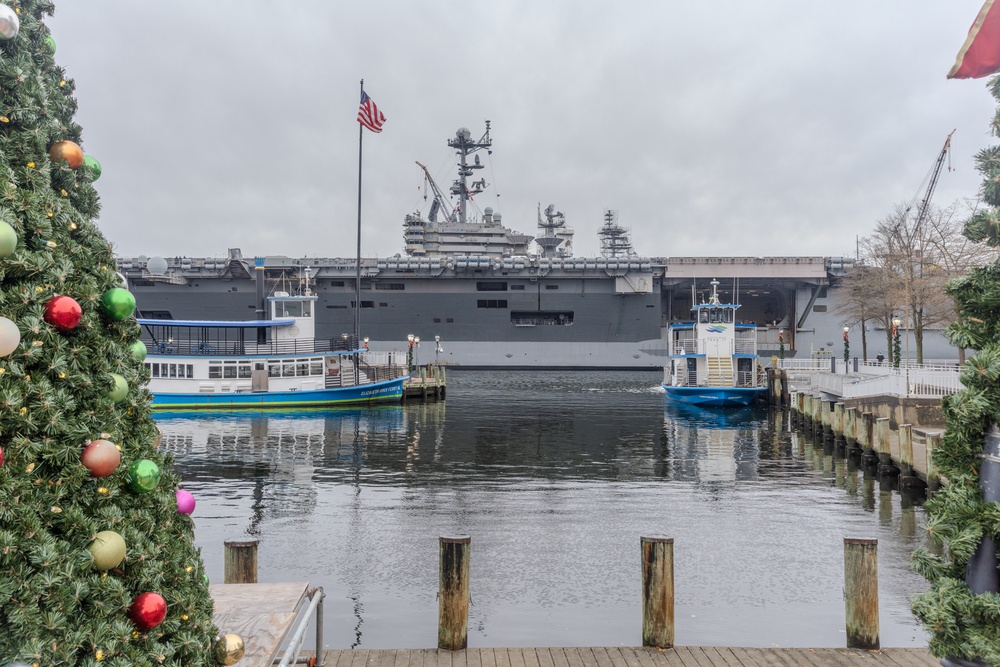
(224,348)
(746,379)
(746,345)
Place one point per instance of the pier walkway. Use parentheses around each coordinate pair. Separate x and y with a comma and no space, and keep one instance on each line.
(623,656)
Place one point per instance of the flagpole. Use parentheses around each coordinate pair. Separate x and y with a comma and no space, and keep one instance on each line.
(357,268)
(357,282)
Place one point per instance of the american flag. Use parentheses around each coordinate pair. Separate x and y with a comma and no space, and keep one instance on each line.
(369,115)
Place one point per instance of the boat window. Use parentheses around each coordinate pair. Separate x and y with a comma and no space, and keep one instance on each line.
(258,365)
(214,370)
(274,369)
(703,315)
(173,370)
(316,367)
(190,370)
(154,370)
(301,367)
(288,369)
(228,371)
(729,314)
(244,370)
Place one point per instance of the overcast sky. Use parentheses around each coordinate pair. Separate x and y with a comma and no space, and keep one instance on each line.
(773,127)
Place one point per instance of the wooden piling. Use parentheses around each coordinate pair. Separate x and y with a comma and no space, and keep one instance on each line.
(851,427)
(906,450)
(883,447)
(826,418)
(657,591)
(933,476)
(453,593)
(240,562)
(861,592)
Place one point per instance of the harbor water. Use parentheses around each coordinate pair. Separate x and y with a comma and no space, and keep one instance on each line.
(555,476)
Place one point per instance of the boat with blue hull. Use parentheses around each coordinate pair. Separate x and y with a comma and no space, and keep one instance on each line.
(713,360)
(274,363)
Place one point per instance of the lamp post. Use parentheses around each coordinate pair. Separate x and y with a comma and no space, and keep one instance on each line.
(409,352)
(895,342)
(847,347)
(416,351)
(366,343)
(437,348)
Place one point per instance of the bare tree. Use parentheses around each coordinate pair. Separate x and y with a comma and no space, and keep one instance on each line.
(906,265)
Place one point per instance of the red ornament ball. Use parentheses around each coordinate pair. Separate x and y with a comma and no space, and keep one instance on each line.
(1,456)
(63,312)
(100,457)
(148,610)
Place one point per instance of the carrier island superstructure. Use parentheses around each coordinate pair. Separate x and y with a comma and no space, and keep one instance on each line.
(478,294)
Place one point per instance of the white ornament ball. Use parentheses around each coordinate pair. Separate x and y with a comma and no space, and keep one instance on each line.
(10,337)
(9,23)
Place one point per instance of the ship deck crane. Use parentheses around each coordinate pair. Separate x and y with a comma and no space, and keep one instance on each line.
(439,203)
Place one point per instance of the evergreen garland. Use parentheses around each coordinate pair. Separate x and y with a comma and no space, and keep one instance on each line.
(55,397)
(963,624)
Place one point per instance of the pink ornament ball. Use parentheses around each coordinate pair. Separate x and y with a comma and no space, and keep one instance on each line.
(185,501)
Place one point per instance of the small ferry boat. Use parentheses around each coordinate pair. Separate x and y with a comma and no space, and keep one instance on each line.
(265,363)
(713,360)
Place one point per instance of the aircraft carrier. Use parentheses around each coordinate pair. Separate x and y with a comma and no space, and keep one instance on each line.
(478,294)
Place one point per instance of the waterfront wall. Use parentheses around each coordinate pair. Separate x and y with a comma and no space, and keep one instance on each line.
(902,449)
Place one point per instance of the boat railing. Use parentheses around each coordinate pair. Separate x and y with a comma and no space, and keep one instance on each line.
(242,348)
(685,346)
(746,379)
(745,345)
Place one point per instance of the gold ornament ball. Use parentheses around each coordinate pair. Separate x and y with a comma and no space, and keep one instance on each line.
(66,151)
(228,649)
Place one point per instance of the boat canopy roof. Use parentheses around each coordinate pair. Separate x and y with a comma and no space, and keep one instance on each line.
(217,324)
(715,305)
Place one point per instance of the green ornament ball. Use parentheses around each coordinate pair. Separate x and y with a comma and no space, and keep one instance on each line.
(120,390)
(51,43)
(138,350)
(118,303)
(8,239)
(143,476)
(108,550)
(93,165)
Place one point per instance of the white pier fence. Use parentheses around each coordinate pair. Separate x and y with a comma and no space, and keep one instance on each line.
(912,380)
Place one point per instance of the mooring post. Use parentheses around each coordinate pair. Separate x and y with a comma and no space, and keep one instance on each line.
(453,593)
(861,592)
(240,562)
(658,591)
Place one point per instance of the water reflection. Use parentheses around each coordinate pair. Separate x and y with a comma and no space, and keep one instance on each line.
(555,476)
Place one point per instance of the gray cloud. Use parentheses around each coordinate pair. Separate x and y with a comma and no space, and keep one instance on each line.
(724,128)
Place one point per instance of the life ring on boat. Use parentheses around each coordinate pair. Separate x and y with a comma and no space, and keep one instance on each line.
(333,365)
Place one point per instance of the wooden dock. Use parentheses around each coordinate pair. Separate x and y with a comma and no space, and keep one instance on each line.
(619,656)
(426,383)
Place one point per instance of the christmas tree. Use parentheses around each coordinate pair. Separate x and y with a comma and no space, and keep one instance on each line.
(97,560)
(962,608)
